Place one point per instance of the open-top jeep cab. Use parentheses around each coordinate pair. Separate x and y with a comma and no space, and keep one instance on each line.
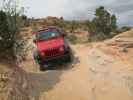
(52,47)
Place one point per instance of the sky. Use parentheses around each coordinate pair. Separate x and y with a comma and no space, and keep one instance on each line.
(79,9)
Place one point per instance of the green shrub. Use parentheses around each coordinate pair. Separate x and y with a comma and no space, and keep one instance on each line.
(7,35)
(72,39)
(102,25)
(125,28)
(9,29)
(97,37)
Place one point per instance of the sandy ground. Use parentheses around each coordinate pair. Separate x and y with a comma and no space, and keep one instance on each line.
(98,72)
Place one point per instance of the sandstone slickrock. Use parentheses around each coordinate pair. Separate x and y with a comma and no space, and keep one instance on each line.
(13,83)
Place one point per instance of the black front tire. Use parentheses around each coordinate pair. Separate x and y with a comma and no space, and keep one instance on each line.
(69,57)
(41,67)
(38,61)
(36,57)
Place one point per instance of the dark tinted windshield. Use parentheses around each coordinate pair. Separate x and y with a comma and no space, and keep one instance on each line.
(47,35)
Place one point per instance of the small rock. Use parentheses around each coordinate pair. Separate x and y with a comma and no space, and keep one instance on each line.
(124,50)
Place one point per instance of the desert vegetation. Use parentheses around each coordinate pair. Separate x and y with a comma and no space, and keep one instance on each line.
(11,22)
(102,26)
(16,32)
(10,41)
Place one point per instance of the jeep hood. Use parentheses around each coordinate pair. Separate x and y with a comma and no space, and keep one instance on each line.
(52,43)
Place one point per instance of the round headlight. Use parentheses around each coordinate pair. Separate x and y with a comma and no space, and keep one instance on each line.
(61,49)
(42,54)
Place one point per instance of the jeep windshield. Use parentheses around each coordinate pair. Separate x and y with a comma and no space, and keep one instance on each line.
(47,35)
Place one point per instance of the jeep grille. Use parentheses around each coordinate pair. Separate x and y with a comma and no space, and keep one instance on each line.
(52,52)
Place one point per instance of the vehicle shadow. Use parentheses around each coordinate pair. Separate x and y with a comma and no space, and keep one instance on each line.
(65,66)
(43,82)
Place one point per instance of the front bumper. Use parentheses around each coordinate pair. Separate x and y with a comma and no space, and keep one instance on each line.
(57,59)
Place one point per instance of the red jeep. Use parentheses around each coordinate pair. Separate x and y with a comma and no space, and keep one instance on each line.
(52,47)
